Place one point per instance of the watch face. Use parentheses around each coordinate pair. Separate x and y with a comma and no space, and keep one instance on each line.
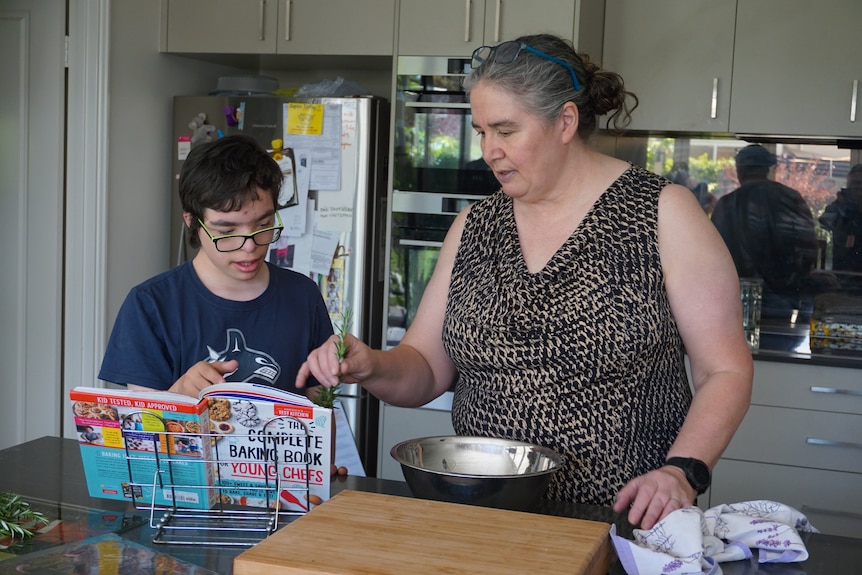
(701,474)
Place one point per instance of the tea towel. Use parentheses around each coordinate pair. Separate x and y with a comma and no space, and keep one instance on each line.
(692,541)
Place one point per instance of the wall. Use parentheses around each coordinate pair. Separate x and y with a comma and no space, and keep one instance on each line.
(142,85)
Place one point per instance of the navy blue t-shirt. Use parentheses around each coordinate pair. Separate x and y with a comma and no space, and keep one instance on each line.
(171,321)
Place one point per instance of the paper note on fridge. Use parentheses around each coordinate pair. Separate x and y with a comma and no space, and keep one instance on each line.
(325,146)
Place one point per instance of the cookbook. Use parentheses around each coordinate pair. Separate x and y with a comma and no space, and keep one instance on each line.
(147,447)
(237,443)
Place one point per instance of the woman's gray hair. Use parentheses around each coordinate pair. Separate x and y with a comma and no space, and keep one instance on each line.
(542,86)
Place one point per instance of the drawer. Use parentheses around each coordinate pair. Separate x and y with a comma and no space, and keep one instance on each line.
(803,438)
(830,499)
(807,387)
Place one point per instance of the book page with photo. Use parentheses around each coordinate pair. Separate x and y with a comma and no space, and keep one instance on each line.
(146,447)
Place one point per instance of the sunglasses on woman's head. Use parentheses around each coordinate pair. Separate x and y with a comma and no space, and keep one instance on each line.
(507,52)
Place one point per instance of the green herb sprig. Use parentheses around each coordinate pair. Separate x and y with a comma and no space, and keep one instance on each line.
(14,514)
(327,395)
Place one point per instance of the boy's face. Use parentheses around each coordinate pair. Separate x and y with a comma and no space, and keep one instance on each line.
(246,263)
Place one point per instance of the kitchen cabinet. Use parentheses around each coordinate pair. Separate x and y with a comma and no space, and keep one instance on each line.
(337,27)
(399,424)
(799,444)
(334,27)
(677,58)
(796,68)
(787,67)
(457,27)
(219,26)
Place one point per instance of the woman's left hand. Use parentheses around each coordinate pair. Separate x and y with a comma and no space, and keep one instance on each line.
(651,497)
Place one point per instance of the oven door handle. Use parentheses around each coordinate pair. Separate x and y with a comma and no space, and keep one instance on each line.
(460,105)
(420,243)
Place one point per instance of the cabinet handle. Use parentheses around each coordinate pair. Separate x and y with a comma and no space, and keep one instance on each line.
(497,22)
(713,110)
(832,443)
(467,20)
(853,100)
(262,11)
(287,20)
(817,389)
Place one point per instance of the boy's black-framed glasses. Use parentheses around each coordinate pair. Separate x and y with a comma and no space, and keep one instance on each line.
(233,242)
(506,52)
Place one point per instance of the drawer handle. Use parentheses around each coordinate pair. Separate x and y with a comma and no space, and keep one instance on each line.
(262,12)
(832,443)
(817,389)
(714,107)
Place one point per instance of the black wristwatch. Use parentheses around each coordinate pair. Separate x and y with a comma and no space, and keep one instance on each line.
(696,471)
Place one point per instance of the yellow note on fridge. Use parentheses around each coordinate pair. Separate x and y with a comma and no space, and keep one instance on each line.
(304,119)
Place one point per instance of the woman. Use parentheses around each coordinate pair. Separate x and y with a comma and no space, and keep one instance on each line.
(564,301)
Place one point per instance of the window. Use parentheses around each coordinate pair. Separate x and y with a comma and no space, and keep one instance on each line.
(799,237)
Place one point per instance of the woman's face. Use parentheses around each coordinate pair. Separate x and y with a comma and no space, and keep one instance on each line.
(523,151)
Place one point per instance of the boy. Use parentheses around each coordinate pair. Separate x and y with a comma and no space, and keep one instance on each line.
(226,315)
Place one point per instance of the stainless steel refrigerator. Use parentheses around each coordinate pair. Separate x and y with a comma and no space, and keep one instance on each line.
(349,208)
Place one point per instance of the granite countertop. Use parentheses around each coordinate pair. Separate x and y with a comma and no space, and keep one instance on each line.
(49,473)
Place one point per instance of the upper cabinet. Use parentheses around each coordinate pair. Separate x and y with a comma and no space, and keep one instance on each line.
(334,27)
(219,26)
(441,28)
(457,27)
(797,68)
(761,67)
(677,58)
(337,27)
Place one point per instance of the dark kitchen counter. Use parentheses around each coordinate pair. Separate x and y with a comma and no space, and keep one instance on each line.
(48,472)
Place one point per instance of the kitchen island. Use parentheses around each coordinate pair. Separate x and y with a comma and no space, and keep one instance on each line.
(48,473)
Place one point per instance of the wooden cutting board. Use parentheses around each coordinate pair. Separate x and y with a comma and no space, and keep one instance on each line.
(357,532)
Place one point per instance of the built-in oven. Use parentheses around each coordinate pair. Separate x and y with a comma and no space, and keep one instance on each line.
(437,171)
(420,221)
(435,146)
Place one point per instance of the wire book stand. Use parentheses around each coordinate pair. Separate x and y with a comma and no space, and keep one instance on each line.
(230,521)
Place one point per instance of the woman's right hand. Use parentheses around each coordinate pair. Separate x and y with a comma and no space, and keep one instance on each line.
(322,363)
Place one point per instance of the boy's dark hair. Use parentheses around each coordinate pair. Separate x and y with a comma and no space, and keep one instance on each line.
(223,175)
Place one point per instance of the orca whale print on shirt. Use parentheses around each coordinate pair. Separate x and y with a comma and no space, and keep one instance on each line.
(254,366)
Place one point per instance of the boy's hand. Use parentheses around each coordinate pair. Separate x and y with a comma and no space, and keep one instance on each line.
(202,375)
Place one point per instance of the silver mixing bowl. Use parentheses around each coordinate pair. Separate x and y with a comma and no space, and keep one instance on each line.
(477,470)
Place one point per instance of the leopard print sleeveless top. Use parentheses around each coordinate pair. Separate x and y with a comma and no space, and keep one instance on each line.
(582,357)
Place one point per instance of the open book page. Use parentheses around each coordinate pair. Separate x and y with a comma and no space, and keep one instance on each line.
(148,447)
(346,454)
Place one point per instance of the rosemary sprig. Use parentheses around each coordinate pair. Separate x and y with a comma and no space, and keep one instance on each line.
(327,395)
(14,514)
